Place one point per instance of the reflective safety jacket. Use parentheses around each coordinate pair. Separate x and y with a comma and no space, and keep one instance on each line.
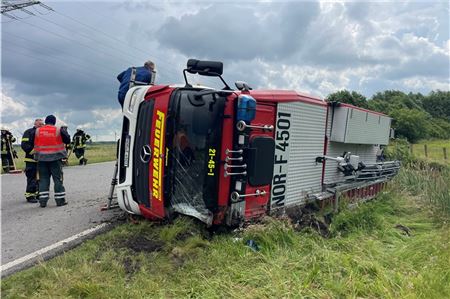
(49,144)
(79,140)
(27,144)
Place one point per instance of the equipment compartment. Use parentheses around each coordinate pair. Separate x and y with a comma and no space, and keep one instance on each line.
(358,126)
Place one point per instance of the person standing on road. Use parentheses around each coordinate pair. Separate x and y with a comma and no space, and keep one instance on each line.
(79,145)
(135,76)
(27,144)
(8,153)
(49,149)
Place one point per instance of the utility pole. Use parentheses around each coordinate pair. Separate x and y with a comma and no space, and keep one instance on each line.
(8,6)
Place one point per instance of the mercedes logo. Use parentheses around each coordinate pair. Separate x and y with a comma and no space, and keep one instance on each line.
(146,153)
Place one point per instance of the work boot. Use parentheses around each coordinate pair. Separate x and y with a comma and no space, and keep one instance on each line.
(32,200)
(85,161)
(42,204)
(81,162)
(60,203)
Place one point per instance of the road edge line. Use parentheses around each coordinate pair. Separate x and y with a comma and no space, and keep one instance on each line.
(51,247)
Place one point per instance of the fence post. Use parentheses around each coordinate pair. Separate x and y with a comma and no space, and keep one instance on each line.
(444,149)
(425,148)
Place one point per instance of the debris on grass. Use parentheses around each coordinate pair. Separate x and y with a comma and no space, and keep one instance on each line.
(406,230)
(142,244)
(130,266)
(307,218)
(312,222)
(252,245)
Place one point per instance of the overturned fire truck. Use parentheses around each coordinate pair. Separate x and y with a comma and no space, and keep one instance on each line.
(227,156)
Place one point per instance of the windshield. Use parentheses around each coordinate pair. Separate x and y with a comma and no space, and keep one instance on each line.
(195,143)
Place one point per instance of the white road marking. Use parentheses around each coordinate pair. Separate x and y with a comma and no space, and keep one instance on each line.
(50,247)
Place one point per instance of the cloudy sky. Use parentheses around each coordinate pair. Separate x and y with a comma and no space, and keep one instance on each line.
(65,61)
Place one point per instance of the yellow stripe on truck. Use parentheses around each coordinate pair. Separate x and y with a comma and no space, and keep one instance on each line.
(158,151)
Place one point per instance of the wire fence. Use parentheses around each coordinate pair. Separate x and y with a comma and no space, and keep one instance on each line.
(429,151)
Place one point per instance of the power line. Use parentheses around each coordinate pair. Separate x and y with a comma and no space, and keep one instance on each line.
(170,68)
(14,17)
(81,72)
(71,40)
(87,36)
(9,6)
(43,46)
(121,42)
(43,14)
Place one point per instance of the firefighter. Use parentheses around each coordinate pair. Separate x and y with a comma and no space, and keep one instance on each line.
(7,151)
(135,75)
(79,145)
(49,149)
(27,144)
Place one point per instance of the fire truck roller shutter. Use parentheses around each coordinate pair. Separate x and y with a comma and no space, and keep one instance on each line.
(299,138)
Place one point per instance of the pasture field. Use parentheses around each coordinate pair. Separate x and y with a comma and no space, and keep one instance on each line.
(95,153)
(435,150)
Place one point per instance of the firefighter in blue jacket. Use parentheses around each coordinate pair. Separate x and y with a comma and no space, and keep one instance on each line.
(79,140)
(135,76)
(27,144)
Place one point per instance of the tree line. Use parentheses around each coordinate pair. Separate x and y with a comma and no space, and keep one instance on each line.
(415,116)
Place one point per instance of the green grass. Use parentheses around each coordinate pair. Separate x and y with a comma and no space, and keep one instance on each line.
(430,184)
(95,153)
(435,152)
(365,257)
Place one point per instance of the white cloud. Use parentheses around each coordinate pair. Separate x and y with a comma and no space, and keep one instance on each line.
(416,84)
(105,124)
(12,106)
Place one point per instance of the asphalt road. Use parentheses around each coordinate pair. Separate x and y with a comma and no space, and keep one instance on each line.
(26,227)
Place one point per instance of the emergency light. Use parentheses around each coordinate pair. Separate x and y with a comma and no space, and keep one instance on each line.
(246,108)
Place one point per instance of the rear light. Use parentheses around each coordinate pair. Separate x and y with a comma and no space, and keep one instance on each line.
(126,154)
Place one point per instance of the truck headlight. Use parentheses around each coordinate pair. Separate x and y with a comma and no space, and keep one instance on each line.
(133,100)
(126,153)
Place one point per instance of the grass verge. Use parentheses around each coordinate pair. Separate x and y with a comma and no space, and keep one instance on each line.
(392,247)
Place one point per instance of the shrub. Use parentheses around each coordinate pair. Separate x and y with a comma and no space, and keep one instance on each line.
(399,150)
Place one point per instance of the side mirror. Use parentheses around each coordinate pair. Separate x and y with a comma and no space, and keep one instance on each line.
(242,86)
(204,67)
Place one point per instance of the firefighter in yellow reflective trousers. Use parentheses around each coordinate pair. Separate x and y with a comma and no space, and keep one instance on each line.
(79,145)
(8,152)
(27,144)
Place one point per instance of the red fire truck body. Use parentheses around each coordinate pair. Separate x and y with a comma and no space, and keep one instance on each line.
(227,156)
